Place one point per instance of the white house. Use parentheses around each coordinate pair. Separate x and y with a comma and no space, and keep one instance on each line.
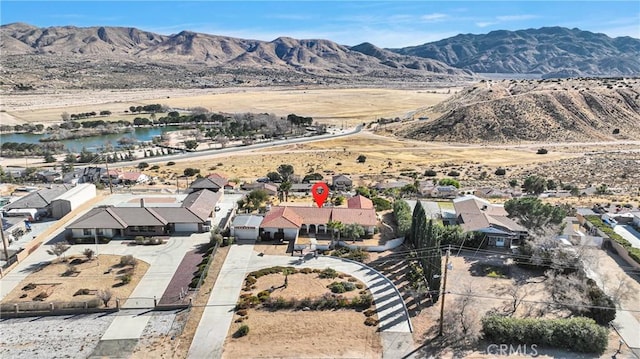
(246,227)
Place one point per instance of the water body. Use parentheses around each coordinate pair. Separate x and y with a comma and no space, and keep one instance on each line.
(93,143)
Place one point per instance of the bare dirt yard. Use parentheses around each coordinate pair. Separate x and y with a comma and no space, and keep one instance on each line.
(302,334)
(54,282)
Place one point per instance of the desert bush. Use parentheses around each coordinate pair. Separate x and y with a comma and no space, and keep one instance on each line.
(337,287)
(242,331)
(125,279)
(41,296)
(306,270)
(104,296)
(542,151)
(29,286)
(170,163)
(264,295)
(369,312)
(371,322)
(328,273)
(241,312)
(453,174)
(430,173)
(128,260)
(88,253)
(500,172)
(82,291)
(359,285)
(250,280)
(575,334)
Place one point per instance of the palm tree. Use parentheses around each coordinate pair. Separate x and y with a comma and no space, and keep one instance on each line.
(285,187)
(334,226)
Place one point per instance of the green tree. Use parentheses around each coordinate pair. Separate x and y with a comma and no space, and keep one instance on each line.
(334,227)
(534,215)
(363,191)
(534,185)
(353,231)
(284,188)
(49,158)
(513,183)
(274,176)
(338,200)
(285,171)
(257,197)
(191,144)
(402,214)
(449,182)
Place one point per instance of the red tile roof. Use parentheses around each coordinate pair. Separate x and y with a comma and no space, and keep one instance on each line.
(282,217)
(359,202)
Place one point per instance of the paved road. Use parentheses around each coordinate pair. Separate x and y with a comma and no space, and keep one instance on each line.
(231,150)
(625,323)
(395,325)
(628,233)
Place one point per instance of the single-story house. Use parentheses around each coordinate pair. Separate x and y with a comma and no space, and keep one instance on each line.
(49,176)
(125,222)
(301,187)
(477,215)
(489,192)
(270,188)
(440,191)
(341,183)
(636,219)
(130,178)
(287,222)
(246,227)
(213,182)
(40,200)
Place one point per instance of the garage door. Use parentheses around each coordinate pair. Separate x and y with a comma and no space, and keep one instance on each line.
(186,227)
(246,233)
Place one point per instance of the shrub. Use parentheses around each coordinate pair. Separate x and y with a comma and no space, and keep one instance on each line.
(500,172)
(264,295)
(359,285)
(306,270)
(29,286)
(542,151)
(191,171)
(337,287)
(453,174)
(430,173)
(83,291)
(575,334)
(328,273)
(371,322)
(361,159)
(128,260)
(170,163)
(241,312)
(369,312)
(250,280)
(242,331)
(125,279)
(143,165)
(41,296)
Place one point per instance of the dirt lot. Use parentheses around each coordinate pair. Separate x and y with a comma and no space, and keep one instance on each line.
(98,274)
(300,334)
(335,106)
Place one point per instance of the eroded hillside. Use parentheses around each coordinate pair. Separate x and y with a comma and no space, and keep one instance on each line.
(571,110)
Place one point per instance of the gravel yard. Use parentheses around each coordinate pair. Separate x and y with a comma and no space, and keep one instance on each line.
(72,336)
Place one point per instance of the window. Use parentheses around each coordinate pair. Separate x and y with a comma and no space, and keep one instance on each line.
(100,231)
(86,232)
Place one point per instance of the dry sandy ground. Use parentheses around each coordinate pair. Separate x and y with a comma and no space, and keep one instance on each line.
(92,276)
(300,334)
(337,106)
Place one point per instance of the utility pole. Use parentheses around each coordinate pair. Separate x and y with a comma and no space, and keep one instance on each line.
(444,291)
(4,240)
(106,163)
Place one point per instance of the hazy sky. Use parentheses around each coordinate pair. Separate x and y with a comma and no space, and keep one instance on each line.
(385,24)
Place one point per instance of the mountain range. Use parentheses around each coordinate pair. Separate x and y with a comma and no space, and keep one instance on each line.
(53,53)
(550,51)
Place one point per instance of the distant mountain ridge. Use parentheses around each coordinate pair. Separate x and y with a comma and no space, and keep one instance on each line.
(283,53)
(547,51)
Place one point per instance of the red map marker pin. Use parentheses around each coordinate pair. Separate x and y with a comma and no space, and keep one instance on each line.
(320,192)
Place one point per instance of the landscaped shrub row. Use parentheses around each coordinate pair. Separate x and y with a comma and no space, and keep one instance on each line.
(356,254)
(271,270)
(325,302)
(575,334)
(200,272)
(634,253)
(341,287)
(39,306)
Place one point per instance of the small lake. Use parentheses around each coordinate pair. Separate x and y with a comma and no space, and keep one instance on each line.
(92,143)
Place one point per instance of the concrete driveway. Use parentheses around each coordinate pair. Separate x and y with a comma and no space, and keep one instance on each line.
(395,325)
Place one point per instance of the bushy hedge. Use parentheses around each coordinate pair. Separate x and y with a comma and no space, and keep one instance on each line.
(46,306)
(325,302)
(576,334)
(634,253)
(403,215)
